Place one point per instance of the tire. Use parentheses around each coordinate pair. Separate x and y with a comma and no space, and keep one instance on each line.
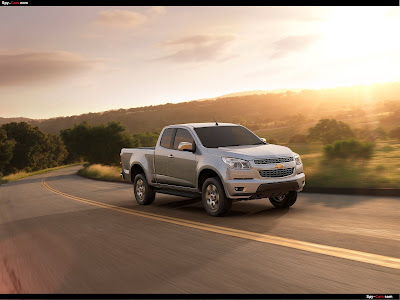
(284,201)
(144,193)
(214,199)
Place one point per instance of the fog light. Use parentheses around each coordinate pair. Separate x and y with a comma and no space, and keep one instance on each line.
(303,183)
(240,189)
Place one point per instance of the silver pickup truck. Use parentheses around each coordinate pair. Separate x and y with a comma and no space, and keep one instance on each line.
(221,162)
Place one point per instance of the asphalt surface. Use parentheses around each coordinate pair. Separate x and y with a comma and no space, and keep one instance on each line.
(55,243)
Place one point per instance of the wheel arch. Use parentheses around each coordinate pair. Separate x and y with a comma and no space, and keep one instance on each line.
(208,172)
(137,168)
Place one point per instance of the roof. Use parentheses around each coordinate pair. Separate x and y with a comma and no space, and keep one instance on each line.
(211,124)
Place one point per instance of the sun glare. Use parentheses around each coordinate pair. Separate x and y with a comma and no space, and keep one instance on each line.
(355,31)
(361,43)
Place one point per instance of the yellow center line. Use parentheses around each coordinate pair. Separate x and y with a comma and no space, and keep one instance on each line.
(370,258)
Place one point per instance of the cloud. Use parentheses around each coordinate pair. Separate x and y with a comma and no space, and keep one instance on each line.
(197,48)
(157,10)
(120,18)
(293,43)
(193,39)
(27,67)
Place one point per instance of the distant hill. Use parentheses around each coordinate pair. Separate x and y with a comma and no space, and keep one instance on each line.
(255,92)
(9,120)
(255,109)
(259,92)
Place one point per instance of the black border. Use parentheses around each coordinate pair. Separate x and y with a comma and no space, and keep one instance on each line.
(201,3)
(199,296)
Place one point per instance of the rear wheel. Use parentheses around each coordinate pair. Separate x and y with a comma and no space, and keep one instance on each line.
(144,193)
(214,199)
(284,201)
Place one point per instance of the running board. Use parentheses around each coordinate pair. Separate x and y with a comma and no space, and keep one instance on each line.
(178,193)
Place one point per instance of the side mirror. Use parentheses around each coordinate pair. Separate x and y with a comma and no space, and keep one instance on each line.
(185,146)
(263,140)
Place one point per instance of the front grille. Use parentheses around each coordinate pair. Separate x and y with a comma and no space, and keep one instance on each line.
(276,160)
(277,172)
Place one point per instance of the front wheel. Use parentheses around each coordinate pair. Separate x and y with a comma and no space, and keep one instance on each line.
(284,201)
(214,199)
(144,193)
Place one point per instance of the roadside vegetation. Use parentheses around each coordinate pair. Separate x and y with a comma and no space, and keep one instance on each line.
(101,172)
(350,149)
(23,174)
(26,150)
(382,170)
(359,159)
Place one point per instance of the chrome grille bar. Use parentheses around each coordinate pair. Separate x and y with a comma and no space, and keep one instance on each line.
(277,172)
(277,160)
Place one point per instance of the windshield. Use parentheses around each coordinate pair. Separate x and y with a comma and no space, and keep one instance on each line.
(224,136)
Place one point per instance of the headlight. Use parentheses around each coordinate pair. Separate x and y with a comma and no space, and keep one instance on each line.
(236,163)
(297,159)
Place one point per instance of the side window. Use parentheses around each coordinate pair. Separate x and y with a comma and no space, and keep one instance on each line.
(166,138)
(182,135)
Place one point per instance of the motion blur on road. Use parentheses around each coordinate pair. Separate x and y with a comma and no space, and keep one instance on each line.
(63,236)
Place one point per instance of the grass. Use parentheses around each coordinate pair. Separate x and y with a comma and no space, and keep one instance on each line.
(22,174)
(101,172)
(281,134)
(381,171)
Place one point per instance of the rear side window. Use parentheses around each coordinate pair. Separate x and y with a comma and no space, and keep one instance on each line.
(182,135)
(166,138)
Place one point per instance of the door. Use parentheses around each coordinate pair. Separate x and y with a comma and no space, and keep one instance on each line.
(161,154)
(182,164)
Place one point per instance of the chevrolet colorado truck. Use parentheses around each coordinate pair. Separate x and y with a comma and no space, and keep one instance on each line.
(219,162)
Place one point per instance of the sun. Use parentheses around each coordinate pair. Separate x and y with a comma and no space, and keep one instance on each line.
(356,31)
(360,45)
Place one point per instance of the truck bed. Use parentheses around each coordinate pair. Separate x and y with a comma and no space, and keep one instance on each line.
(145,155)
(149,148)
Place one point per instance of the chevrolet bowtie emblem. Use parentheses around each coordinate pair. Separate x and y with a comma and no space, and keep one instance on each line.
(279,166)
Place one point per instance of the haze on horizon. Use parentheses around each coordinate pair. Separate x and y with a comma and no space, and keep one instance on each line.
(60,61)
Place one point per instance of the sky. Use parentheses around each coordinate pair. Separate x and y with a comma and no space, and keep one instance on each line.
(62,61)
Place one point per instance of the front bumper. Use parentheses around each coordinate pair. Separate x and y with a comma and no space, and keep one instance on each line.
(262,188)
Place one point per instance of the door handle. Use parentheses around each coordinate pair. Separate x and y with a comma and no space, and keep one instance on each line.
(170,156)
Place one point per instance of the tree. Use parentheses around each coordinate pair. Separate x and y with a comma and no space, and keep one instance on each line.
(75,140)
(329,130)
(97,144)
(380,133)
(368,134)
(34,149)
(6,150)
(392,118)
(298,139)
(147,139)
(395,133)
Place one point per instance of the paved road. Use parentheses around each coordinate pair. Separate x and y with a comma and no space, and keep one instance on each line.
(54,240)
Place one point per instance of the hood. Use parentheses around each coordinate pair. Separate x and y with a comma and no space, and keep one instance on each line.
(250,152)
